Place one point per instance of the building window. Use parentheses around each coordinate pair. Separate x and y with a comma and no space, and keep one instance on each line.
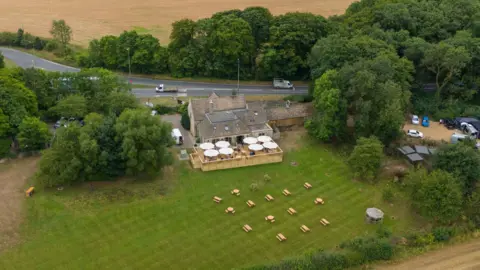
(261,134)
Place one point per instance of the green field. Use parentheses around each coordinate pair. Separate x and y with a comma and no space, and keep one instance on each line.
(172,223)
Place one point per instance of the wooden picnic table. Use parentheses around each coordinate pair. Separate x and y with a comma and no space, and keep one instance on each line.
(319,201)
(269,197)
(291,211)
(281,237)
(236,192)
(307,185)
(247,228)
(250,203)
(304,228)
(230,210)
(324,222)
(286,192)
(217,199)
(270,218)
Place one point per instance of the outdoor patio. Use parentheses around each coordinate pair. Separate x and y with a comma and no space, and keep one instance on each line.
(221,156)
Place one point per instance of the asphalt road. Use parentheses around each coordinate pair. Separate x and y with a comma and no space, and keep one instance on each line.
(26,60)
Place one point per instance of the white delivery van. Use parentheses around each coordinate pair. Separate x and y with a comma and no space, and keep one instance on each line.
(177,136)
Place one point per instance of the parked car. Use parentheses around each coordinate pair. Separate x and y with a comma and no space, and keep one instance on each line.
(449,123)
(415,120)
(457,137)
(177,136)
(414,133)
(425,121)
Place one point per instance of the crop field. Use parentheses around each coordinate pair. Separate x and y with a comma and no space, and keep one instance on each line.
(92,19)
(172,223)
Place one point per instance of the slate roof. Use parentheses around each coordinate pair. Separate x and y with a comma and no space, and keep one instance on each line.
(278,111)
(406,150)
(422,150)
(414,157)
(223,129)
(202,106)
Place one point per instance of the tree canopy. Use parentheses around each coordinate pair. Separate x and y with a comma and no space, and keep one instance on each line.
(366,158)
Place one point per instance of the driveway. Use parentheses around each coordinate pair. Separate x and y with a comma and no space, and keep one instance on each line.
(175,120)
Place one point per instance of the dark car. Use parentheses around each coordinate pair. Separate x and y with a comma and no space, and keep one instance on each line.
(449,123)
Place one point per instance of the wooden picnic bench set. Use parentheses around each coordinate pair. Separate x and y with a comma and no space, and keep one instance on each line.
(271,219)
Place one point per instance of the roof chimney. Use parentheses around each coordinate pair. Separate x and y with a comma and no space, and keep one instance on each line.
(210,106)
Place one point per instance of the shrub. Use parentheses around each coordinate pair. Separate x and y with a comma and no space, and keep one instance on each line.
(253,186)
(51,45)
(443,234)
(5,144)
(8,38)
(420,239)
(185,121)
(299,98)
(162,110)
(329,260)
(384,232)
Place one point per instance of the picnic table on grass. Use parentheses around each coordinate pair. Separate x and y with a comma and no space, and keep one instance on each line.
(270,218)
(230,210)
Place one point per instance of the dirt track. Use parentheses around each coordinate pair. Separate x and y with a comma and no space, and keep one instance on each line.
(458,257)
(13,177)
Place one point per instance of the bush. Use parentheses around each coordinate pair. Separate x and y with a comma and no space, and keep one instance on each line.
(384,232)
(329,260)
(8,38)
(5,144)
(420,239)
(51,45)
(162,110)
(299,98)
(185,121)
(443,234)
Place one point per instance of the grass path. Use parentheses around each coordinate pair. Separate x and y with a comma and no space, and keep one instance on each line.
(186,230)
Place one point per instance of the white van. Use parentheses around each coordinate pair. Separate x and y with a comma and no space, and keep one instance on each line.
(177,136)
(460,137)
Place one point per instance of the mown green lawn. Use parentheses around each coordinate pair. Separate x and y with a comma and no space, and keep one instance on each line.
(185,229)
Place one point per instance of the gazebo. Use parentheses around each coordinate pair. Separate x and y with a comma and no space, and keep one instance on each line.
(374,215)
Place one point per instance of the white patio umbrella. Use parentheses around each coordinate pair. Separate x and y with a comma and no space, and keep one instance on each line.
(250,140)
(264,139)
(270,145)
(255,147)
(211,153)
(207,146)
(222,144)
(226,151)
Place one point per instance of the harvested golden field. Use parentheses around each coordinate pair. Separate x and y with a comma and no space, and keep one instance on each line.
(92,19)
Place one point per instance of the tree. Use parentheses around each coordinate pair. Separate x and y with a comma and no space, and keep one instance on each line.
(33,134)
(472,210)
(119,101)
(378,94)
(71,159)
(72,106)
(445,62)
(330,109)
(4,125)
(39,82)
(16,101)
(62,33)
(144,139)
(2,61)
(366,158)
(437,196)
(259,19)
(461,160)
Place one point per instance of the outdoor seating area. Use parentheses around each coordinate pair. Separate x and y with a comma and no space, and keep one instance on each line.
(271,218)
(222,155)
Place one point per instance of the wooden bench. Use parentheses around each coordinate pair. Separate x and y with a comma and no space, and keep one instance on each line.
(269,197)
(30,192)
(286,192)
(250,203)
(319,201)
(291,211)
(281,237)
(246,228)
(304,228)
(307,185)
(217,199)
(324,222)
